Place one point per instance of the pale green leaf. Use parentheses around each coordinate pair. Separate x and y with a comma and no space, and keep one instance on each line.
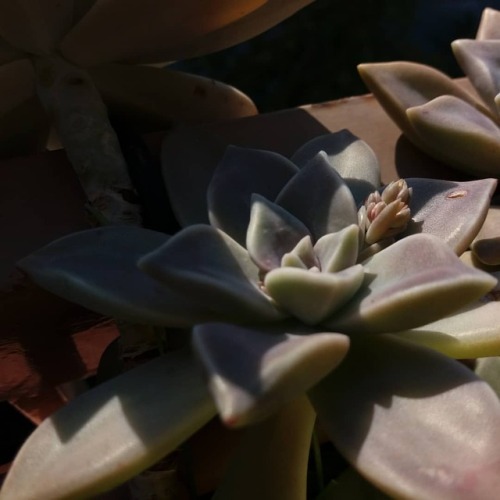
(312,296)
(111,433)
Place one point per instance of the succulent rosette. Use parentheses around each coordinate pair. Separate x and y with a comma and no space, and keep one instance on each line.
(453,122)
(313,290)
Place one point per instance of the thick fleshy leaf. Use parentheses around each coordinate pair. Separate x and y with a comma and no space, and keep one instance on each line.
(319,197)
(113,432)
(415,423)
(456,133)
(189,157)
(252,373)
(212,269)
(489,370)
(413,282)
(35,26)
(271,460)
(486,245)
(163,31)
(272,232)
(489,27)
(351,157)
(302,256)
(98,270)
(401,85)
(480,61)
(337,251)
(471,333)
(312,296)
(158,96)
(241,173)
(17,81)
(453,211)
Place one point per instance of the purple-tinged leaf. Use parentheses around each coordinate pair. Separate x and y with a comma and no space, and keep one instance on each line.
(452,211)
(311,295)
(319,197)
(112,432)
(414,423)
(413,282)
(351,157)
(210,268)
(480,61)
(456,133)
(189,157)
(252,373)
(98,270)
(489,27)
(241,173)
(401,85)
(337,251)
(272,232)
(272,456)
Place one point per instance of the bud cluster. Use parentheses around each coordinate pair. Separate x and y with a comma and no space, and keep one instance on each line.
(385,214)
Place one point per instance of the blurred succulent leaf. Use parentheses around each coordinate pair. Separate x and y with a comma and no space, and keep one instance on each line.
(452,211)
(337,251)
(98,270)
(480,61)
(35,26)
(312,296)
(159,96)
(112,432)
(210,268)
(318,196)
(252,373)
(397,397)
(401,85)
(241,173)
(351,157)
(17,80)
(414,281)
(271,233)
(489,27)
(455,132)
(155,31)
(271,460)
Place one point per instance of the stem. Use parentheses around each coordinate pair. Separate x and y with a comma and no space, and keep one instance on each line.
(80,117)
(271,462)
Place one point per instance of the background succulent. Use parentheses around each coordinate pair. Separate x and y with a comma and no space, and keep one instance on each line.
(441,116)
(294,313)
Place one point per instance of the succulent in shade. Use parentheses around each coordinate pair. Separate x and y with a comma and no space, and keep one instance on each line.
(441,116)
(313,290)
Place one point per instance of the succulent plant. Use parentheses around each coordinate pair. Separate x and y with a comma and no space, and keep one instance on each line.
(60,60)
(313,290)
(442,117)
